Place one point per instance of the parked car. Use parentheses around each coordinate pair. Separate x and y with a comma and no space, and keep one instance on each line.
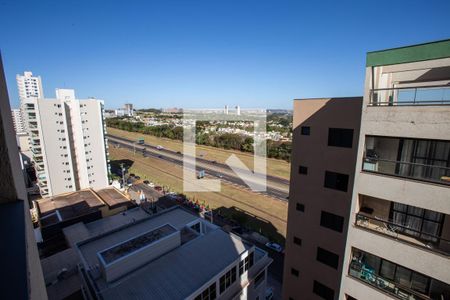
(151,184)
(274,246)
(132,175)
(159,147)
(137,177)
(146,182)
(158,188)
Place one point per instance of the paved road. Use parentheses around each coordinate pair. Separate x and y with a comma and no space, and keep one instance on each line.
(212,169)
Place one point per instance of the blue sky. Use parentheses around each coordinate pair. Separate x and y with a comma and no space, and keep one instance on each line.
(194,53)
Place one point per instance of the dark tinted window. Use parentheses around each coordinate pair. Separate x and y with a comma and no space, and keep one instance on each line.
(350,297)
(339,137)
(297,241)
(323,291)
(306,130)
(302,170)
(294,272)
(326,257)
(300,207)
(336,181)
(331,221)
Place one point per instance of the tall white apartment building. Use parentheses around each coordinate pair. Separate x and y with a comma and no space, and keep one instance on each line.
(67,138)
(398,242)
(28,86)
(17,120)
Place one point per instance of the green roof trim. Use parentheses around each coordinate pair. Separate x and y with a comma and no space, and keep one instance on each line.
(414,53)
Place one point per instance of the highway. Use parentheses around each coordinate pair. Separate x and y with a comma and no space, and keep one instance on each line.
(276,187)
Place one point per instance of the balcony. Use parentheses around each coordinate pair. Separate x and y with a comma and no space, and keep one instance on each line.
(421,95)
(424,160)
(395,280)
(427,229)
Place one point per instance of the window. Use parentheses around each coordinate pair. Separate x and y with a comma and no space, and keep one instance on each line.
(208,294)
(227,279)
(246,263)
(300,207)
(339,137)
(306,130)
(328,258)
(331,221)
(348,297)
(303,170)
(323,291)
(295,272)
(421,223)
(336,181)
(259,278)
(297,241)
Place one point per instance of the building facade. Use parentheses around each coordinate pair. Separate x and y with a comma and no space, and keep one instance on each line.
(325,142)
(28,86)
(21,276)
(17,121)
(398,243)
(67,138)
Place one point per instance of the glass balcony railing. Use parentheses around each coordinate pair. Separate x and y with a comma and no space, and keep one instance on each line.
(394,279)
(405,233)
(422,95)
(432,173)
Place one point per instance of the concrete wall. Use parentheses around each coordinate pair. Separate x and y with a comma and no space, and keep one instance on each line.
(118,268)
(55,141)
(313,152)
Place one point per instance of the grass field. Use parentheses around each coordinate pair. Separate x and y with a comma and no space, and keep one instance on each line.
(258,212)
(275,167)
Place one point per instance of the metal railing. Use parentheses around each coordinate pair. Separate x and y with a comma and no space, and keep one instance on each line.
(420,95)
(423,172)
(366,274)
(397,231)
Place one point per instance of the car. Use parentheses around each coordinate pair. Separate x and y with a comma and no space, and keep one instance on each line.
(132,175)
(274,246)
(146,182)
(220,175)
(178,152)
(159,147)
(214,161)
(151,184)
(159,156)
(137,177)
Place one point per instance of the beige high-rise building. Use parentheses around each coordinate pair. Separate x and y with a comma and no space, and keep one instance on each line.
(325,141)
(67,137)
(398,241)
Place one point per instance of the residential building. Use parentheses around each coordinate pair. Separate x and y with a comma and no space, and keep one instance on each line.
(172,254)
(67,137)
(28,86)
(398,241)
(17,121)
(128,107)
(21,276)
(325,143)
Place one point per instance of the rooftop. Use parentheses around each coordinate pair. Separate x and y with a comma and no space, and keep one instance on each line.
(75,204)
(112,197)
(175,274)
(407,54)
(68,206)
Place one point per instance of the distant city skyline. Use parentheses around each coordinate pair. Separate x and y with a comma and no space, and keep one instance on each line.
(203,53)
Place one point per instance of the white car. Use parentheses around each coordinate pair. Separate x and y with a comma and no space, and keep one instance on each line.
(274,246)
